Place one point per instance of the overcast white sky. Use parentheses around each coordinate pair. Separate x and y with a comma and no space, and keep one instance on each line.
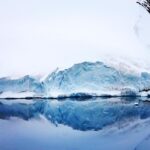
(36,36)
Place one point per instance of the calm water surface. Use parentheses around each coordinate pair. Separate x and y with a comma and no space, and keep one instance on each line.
(71,124)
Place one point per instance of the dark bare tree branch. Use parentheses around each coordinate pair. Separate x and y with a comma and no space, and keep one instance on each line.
(145,4)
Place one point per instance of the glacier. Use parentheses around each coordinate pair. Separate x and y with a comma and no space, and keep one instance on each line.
(21,87)
(98,78)
(85,79)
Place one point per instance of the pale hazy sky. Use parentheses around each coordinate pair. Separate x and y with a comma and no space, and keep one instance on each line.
(36,36)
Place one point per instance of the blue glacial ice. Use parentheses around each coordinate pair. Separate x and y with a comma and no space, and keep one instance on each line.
(81,79)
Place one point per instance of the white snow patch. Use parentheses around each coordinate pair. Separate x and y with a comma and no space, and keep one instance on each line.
(17,95)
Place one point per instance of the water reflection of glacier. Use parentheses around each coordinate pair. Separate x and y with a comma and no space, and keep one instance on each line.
(81,115)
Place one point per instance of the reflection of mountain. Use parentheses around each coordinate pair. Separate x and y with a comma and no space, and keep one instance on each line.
(87,115)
